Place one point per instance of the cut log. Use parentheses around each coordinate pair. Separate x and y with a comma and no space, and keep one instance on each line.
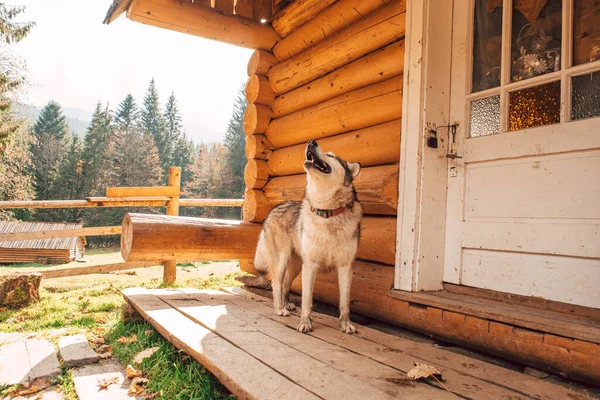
(380,28)
(372,146)
(372,68)
(148,237)
(258,146)
(326,24)
(358,109)
(256,119)
(377,189)
(17,290)
(297,13)
(261,62)
(256,206)
(256,174)
(258,90)
(199,20)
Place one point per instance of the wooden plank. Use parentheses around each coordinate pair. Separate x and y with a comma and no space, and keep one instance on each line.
(75,351)
(198,20)
(61,233)
(14,363)
(523,384)
(245,376)
(211,202)
(158,191)
(43,359)
(96,269)
(527,317)
(457,382)
(571,309)
(126,199)
(328,371)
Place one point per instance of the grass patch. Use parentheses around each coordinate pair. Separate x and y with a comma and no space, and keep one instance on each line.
(65,384)
(171,373)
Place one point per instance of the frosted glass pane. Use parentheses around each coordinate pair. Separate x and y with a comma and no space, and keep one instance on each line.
(536,36)
(586,31)
(536,106)
(487,44)
(585,102)
(485,116)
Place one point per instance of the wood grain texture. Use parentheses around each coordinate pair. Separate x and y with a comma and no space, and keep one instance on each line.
(328,23)
(258,90)
(258,147)
(256,173)
(96,269)
(361,108)
(297,13)
(380,28)
(376,145)
(375,67)
(261,62)
(63,233)
(256,119)
(159,191)
(199,20)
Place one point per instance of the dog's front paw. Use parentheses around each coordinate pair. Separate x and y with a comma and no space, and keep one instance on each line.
(347,327)
(305,325)
(282,312)
(290,306)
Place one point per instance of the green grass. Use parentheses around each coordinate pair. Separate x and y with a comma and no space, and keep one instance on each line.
(171,373)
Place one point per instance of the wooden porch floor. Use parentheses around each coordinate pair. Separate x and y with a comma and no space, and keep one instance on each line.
(258,355)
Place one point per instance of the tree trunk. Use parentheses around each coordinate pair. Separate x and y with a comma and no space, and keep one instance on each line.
(19,290)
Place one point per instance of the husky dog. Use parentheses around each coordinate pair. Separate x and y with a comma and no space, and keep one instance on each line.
(319,233)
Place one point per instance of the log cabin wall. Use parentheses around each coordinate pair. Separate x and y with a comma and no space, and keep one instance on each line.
(336,76)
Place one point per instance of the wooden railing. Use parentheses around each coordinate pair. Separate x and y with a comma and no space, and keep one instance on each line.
(161,196)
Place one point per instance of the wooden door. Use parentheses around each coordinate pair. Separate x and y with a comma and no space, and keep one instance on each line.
(523,209)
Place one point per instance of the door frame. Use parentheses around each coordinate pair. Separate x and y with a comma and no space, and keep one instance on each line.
(423,170)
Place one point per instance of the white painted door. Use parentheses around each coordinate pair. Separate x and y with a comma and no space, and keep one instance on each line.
(523,210)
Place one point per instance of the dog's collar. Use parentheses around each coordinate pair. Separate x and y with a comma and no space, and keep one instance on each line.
(332,213)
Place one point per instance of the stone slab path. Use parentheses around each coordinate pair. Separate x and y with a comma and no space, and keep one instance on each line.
(28,360)
(75,351)
(87,379)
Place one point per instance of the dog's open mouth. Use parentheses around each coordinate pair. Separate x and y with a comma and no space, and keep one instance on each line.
(313,161)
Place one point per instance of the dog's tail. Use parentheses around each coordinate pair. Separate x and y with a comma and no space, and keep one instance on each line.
(259,281)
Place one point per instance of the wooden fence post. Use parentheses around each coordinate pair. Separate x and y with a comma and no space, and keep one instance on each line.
(170,266)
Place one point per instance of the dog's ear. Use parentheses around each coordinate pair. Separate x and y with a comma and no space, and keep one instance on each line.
(354,168)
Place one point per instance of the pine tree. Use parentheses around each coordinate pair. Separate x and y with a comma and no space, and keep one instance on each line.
(70,182)
(235,141)
(11,31)
(97,155)
(172,119)
(49,147)
(183,156)
(128,114)
(153,125)
(16,179)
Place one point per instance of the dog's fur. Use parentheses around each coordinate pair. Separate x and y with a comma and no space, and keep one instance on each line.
(294,238)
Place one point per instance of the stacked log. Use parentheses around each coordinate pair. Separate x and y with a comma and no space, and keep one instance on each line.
(336,76)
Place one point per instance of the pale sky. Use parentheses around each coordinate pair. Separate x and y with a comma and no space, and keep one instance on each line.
(73,58)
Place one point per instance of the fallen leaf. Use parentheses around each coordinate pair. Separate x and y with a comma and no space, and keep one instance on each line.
(423,371)
(141,356)
(132,372)
(151,396)
(80,297)
(31,387)
(97,340)
(104,383)
(104,351)
(148,332)
(137,386)
(127,340)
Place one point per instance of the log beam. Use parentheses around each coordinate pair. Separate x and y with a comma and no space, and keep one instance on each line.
(199,20)
(256,119)
(256,206)
(377,189)
(258,146)
(371,146)
(358,109)
(326,24)
(372,68)
(380,28)
(148,237)
(173,180)
(261,62)
(61,233)
(258,90)
(297,13)
(167,191)
(256,173)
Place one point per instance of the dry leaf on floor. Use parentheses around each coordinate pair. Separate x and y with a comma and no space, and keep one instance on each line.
(31,387)
(423,371)
(148,332)
(104,351)
(127,340)
(151,396)
(96,340)
(141,356)
(132,372)
(137,386)
(104,383)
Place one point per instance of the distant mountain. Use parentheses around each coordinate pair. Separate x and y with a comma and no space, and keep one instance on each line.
(77,118)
